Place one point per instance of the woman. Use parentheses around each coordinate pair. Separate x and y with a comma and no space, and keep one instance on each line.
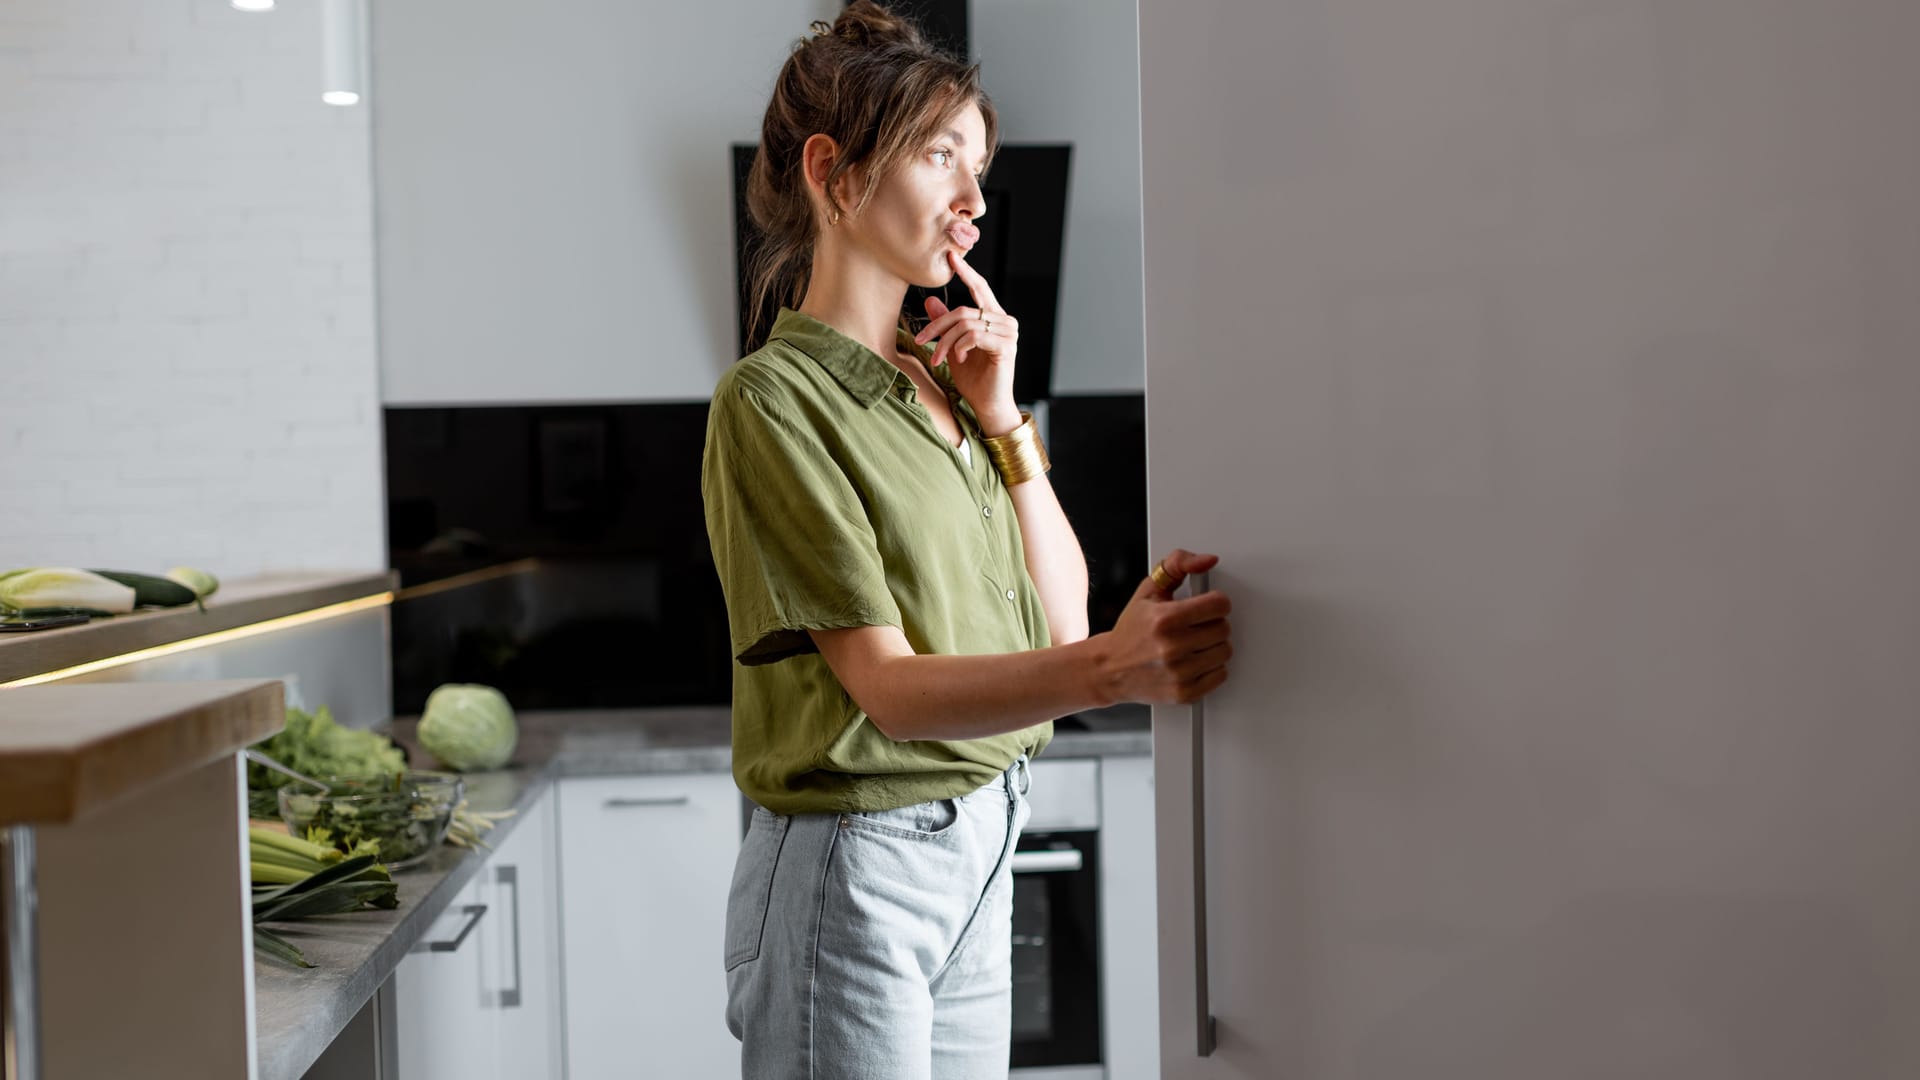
(907,602)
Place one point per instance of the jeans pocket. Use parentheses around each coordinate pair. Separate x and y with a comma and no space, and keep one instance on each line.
(751,892)
(922,821)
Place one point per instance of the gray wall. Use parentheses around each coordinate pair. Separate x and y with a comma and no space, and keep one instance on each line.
(554,195)
(1068,71)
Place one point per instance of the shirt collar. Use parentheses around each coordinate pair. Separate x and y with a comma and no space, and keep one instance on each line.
(864,373)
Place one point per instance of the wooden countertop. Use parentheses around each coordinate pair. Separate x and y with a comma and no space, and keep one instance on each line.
(238,603)
(66,751)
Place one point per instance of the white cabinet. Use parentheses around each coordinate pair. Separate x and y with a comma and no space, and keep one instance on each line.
(442,1013)
(522,883)
(477,998)
(1128,924)
(645,863)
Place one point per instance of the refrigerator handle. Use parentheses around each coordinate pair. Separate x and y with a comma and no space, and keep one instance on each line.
(1203,1006)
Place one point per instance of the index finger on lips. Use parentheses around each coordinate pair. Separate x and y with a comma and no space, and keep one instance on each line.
(977,285)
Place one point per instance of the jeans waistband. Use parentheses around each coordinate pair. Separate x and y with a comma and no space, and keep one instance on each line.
(1018,779)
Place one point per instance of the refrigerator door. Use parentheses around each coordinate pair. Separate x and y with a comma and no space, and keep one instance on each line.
(1545,376)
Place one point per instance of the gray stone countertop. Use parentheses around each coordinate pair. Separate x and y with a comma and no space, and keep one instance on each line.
(301,1010)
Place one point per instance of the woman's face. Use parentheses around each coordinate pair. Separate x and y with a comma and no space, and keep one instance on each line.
(927,206)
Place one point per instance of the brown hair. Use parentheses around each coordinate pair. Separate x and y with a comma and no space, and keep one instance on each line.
(871,82)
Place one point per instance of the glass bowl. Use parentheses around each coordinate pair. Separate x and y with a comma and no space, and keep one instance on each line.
(437,786)
(407,814)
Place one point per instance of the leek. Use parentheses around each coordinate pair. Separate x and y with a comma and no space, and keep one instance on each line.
(64,586)
(296,879)
(266,941)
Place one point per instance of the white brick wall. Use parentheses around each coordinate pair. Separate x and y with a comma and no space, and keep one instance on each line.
(187,364)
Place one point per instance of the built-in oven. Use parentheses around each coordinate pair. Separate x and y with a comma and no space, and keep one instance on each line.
(1056,953)
(1086,1000)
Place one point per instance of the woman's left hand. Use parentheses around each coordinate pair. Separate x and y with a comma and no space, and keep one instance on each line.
(978,343)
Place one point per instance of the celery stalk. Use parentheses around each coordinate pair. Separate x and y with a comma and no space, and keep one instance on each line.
(277,875)
(292,844)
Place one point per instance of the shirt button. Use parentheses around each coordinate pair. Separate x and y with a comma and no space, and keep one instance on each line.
(1009,594)
(987,510)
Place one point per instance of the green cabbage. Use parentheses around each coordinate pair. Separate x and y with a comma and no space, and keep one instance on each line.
(468,727)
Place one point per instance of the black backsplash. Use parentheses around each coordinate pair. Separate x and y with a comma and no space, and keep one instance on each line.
(1098,446)
(569,546)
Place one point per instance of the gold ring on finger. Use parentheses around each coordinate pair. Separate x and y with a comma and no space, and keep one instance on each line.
(1162,578)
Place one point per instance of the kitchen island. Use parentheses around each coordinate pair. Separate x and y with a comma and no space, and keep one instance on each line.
(125,892)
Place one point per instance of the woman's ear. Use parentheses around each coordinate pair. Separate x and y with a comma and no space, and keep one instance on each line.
(817,156)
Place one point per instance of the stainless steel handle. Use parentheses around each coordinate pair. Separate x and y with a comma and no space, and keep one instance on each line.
(1047,862)
(473,913)
(510,875)
(1204,1027)
(19,954)
(662,800)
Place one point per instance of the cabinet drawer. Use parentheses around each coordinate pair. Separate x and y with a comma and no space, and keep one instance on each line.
(444,1010)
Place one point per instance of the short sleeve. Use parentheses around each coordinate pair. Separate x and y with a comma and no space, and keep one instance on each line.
(790,535)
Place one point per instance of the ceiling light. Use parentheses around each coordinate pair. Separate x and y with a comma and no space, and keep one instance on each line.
(342,27)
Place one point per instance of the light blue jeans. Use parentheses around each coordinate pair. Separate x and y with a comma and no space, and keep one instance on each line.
(877,945)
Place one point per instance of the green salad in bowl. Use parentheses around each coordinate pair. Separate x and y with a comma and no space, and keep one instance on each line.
(401,817)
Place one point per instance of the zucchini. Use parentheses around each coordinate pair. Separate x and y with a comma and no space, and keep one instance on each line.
(151,591)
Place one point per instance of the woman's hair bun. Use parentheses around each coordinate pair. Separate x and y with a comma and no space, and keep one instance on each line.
(864,22)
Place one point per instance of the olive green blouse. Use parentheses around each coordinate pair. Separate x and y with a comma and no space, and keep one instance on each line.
(832,501)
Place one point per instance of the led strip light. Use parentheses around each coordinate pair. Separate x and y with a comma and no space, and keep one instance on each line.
(331,611)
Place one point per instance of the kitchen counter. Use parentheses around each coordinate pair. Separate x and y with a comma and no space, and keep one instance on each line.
(107,789)
(242,602)
(66,752)
(301,1010)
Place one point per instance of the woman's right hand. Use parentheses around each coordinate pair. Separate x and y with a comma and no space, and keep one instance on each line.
(1164,651)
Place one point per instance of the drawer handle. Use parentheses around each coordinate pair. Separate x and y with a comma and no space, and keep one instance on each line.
(662,800)
(473,913)
(510,875)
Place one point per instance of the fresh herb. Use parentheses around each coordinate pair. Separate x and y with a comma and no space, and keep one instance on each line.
(390,817)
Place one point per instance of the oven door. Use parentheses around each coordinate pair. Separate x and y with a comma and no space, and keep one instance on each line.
(1056,950)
